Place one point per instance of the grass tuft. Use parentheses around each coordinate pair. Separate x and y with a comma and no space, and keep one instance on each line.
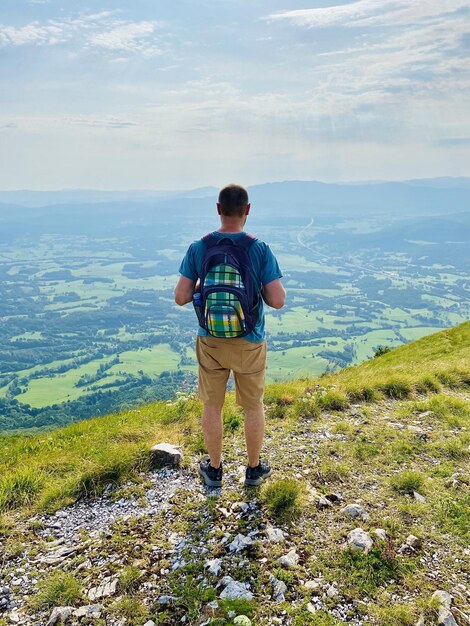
(282,498)
(363,394)
(397,388)
(19,488)
(129,577)
(408,481)
(333,401)
(57,589)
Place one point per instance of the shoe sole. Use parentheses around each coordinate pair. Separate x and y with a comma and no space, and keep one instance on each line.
(254,482)
(209,482)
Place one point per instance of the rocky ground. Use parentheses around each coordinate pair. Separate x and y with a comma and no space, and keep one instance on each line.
(167,550)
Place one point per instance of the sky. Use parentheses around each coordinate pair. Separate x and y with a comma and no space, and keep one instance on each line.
(152,94)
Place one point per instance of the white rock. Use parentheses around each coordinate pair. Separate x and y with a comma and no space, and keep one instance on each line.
(274,534)
(355,510)
(235,590)
(290,559)
(240,543)
(444,598)
(214,566)
(104,590)
(150,623)
(312,584)
(165,454)
(279,589)
(59,614)
(445,617)
(418,497)
(331,592)
(380,534)
(414,542)
(311,608)
(91,610)
(359,539)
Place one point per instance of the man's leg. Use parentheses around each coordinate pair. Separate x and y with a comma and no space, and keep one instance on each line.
(212,429)
(254,434)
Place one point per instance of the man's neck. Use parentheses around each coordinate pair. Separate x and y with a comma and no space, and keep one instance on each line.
(231,226)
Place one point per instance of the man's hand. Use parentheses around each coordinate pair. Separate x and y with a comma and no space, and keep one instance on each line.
(184,290)
(274,294)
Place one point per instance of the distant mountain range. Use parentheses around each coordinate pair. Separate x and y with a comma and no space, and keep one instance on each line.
(429,193)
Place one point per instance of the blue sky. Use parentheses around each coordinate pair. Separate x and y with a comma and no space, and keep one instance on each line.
(158,94)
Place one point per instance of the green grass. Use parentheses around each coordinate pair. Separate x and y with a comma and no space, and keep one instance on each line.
(408,481)
(47,471)
(57,589)
(282,498)
(363,574)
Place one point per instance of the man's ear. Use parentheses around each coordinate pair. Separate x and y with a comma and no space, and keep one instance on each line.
(248,207)
(219,211)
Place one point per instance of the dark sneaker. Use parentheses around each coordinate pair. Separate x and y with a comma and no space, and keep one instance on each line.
(212,476)
(255,475)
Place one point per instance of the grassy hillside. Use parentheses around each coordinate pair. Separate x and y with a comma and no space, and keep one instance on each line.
(391,434)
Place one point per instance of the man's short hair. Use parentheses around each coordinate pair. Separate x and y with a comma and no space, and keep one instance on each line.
(233,200)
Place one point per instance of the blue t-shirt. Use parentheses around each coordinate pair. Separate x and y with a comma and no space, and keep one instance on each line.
(265,269)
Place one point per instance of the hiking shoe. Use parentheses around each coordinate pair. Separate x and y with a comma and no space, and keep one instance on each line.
(212,476)
(255,475)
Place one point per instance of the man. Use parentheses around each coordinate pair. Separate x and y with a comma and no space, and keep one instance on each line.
(244,356)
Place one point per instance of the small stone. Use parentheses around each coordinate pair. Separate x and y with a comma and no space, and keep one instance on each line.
(414,542)
(167,600)
(290,559)
(312,584)
(323,503)
(150,623)
(444,598)
(235,590)
(380,534)
(59,614)
(104,590)
(91,610)
(240,543)
(164,454)
(279,589)
(359,539)
(355,510)
(331,592)
(214,566)
(274,534)
(240,506)
(445,617)
(311,608)
(418,497)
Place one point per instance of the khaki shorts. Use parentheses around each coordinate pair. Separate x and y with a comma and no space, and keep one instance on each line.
(246,359)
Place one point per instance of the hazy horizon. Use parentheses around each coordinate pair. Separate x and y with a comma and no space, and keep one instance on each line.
(256,184)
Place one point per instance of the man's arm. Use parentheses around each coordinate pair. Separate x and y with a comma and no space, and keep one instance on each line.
(274,294)
(184,290)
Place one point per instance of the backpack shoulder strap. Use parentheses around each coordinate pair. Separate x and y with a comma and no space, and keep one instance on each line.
(210,240)
(246,241)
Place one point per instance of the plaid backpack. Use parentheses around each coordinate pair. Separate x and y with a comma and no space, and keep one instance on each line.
(229,297)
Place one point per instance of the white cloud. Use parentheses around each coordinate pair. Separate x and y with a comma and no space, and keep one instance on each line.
(93,31)
(127,37)
(371,12)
